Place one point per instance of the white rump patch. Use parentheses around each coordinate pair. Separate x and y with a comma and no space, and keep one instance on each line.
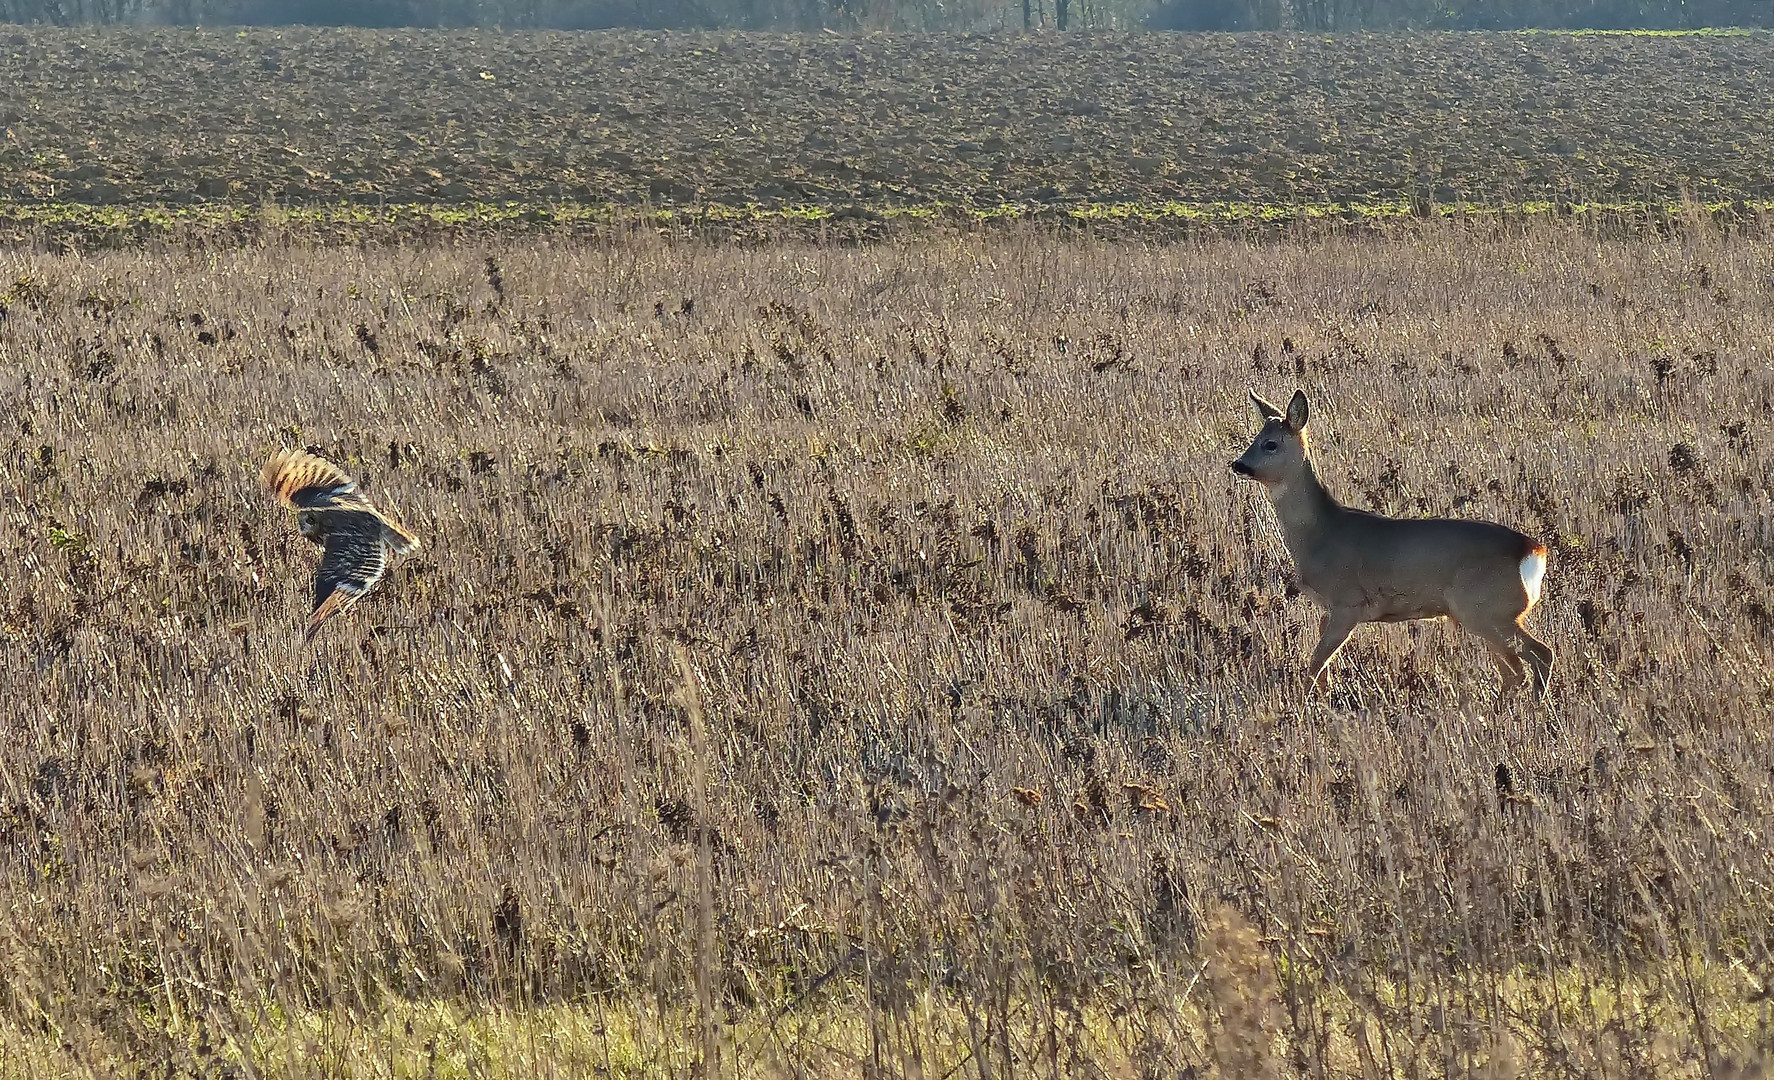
(1533,570)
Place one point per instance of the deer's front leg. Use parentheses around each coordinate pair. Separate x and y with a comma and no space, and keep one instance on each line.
(1332,632)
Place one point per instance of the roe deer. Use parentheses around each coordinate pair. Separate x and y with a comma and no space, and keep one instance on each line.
(1363,567)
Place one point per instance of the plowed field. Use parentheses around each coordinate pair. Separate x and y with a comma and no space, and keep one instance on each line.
(302,116)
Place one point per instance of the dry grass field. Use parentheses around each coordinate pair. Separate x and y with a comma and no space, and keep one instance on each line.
(860,661)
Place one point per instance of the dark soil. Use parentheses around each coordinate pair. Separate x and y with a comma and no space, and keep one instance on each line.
(129,116)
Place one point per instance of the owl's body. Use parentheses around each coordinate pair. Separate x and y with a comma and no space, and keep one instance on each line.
(355,537)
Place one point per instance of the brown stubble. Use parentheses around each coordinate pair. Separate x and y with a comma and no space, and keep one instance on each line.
(929,521)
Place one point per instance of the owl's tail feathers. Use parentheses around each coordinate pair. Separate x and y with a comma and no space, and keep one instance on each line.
(400,540)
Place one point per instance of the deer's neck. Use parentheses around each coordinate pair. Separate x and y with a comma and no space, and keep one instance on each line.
(1303,507)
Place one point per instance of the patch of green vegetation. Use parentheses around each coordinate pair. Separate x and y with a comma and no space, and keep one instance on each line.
(65,538)
(1233,212)
(638,1037)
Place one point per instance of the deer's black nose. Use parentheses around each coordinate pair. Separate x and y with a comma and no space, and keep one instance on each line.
(1241,468)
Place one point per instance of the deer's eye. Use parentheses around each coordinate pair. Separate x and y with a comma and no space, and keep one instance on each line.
(1271,446)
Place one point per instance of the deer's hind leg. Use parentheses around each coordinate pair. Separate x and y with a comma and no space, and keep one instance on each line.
(1509,663)
(1516,651)
(1538,655)
(1495,616)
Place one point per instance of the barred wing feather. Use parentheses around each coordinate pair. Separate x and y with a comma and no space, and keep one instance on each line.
(355,559)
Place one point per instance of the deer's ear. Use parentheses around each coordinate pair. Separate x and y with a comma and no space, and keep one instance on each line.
(1268,411)
(1296,411)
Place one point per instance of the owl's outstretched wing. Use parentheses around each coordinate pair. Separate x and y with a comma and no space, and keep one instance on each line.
(302,481)
(355,559)
(400,540)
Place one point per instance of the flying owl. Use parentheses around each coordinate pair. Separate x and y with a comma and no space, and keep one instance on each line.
(355,537)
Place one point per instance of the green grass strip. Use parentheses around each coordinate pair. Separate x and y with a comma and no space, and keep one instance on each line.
(125,223)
